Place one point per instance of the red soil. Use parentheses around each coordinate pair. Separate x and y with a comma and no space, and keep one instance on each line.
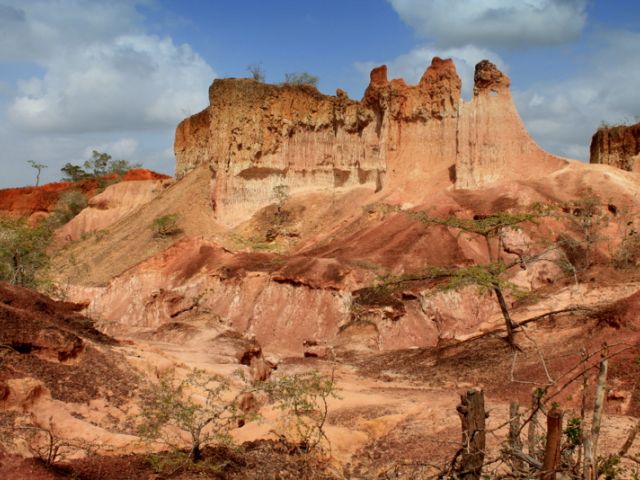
(25,201)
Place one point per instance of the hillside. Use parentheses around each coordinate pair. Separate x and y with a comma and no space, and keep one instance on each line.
(383,242)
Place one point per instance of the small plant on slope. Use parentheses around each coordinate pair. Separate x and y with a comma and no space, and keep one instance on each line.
(197,407)
(165,225)
(23,254)
(303,401)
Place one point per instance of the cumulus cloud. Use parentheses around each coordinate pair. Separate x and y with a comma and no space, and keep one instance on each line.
(94,73)
(494,23)
(122,148)
(412,65)
(37,29)
(563,115)
(130,83)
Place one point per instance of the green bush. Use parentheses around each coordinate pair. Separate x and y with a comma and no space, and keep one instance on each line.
(68,206)
(23,254)
(303,401)
(165,225)
(100,165)
(196,406)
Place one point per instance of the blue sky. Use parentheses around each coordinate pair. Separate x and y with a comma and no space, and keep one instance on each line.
(117,76)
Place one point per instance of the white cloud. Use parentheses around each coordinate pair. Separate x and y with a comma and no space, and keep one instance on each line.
(123,148)
(494,23)
(563,116)
(101,75)
(133,82)
(410,66)
(35,30)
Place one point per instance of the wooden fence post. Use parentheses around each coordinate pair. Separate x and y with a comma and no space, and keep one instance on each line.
(472,417)
(552,449)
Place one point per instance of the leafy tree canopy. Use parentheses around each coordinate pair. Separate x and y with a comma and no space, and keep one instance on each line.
(99,165)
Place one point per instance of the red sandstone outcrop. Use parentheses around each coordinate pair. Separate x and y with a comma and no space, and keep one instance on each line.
(618,146)
(407,140)
(41,200)
(27,201)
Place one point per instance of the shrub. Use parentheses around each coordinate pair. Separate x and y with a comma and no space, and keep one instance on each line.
(195,406)
(257,72)
(23,253)
(165,225)
(628,255)
(68,206)
(301,78)
(586,218)
(303,401)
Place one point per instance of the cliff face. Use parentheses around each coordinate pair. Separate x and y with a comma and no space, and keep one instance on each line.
(407,140)
(617,146)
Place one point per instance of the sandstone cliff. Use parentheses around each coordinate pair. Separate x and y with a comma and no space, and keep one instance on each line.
(618,146)
(404,140)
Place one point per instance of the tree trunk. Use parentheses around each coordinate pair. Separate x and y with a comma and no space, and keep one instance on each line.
(17,271)
(630,438)
(196,454)
(505,314)
(591,443)
(514,432)
(533,423)
(552,450)
(472,417)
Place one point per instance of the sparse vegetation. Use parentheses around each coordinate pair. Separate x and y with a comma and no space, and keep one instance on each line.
(586,217)
(203,409)
(98,166)
(628,254)
(487,276)
(44,443)
(303,401)
(301,78)
(23,251)
(195,406)
(39,167)
(281,215)
(256,72)
(68,206)
(165,225)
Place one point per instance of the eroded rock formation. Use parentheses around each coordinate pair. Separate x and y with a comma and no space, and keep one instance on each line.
(413,139)
(40,201)
(618,146)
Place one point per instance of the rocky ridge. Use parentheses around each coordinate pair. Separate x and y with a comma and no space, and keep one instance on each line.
(618,146)
(302,279)
(413,139)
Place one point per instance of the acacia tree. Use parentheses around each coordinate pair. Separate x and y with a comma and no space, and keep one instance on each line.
(487,276)
(99,165)
(39,167)
(195,405)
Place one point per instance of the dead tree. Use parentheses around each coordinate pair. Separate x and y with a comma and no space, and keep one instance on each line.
(591,441)
(472,417)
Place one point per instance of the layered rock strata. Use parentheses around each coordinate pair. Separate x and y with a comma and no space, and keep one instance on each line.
(618,146)
(407,140)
